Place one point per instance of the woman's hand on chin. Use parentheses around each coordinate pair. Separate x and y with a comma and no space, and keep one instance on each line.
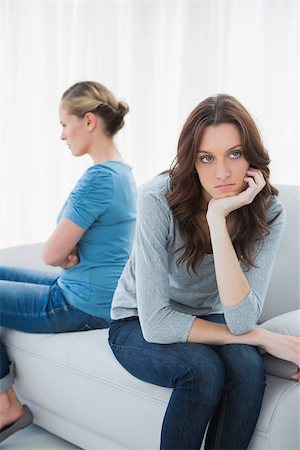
(223,206)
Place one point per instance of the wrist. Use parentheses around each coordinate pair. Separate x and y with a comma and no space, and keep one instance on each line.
(215,218)
(259,336)
(255,337)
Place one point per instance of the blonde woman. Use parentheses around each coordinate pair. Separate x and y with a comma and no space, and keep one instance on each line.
(91,242)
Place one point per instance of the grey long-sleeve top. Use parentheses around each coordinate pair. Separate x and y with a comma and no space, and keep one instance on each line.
(167,298)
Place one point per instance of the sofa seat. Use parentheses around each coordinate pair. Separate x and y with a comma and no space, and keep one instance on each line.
(75,376)
(78,391)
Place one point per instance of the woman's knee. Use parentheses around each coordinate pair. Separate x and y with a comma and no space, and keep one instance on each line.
(245,363)
(203,371)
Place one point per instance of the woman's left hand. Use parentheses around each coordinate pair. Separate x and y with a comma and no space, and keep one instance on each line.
(296,375)
(71,260)
(223,206)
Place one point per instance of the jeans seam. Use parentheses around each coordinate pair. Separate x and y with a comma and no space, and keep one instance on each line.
(221,421)
(184,421)
(37,315)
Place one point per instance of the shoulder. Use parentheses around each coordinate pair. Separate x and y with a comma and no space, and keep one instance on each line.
(94,184)
(152,194)
(157,187)
(95,176)
(97,171)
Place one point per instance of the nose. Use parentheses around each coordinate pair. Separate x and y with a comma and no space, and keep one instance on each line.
(222,171)
(62,135)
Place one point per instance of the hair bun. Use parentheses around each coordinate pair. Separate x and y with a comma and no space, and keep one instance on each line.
(123,108)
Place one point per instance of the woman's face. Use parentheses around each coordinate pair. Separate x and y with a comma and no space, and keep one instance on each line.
(74,132)
(220,162)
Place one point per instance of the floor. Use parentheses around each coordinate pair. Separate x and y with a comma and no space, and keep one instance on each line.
(35,438)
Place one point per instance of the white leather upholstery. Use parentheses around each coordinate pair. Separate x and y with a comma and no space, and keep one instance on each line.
(78,390)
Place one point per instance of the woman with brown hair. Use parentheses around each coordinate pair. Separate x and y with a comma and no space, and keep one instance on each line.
(187,304)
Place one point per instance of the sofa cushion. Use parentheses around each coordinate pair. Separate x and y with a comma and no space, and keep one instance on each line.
(77,378)
(288,323)
(283,291)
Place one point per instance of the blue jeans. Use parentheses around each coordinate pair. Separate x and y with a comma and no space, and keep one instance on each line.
(31,301)
(221,387)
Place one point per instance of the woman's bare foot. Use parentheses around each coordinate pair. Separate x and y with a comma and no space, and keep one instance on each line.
(10,408)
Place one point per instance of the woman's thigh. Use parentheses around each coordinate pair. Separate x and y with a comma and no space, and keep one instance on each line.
(162,364)
(243,363)
(38,308)
(22,299)
(22,275)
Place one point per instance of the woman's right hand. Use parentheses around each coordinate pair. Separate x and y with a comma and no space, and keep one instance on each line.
(224,206)
(71,260)
(284,347)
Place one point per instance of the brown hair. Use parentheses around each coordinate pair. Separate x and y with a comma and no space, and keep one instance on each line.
(185,195)
(90,96)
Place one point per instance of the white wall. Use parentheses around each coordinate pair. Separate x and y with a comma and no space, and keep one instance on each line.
(162,57)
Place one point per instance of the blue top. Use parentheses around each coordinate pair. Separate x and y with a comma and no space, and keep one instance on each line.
(103,202)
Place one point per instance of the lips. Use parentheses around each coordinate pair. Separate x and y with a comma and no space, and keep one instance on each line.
(225,186)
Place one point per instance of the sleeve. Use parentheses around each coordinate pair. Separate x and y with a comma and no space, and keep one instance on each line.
(243,317)
(159,322)
(90,198)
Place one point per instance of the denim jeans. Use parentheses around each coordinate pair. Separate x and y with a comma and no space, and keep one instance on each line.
(31,301)
(221,387)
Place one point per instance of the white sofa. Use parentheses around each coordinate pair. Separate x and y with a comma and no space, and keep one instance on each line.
(78,391)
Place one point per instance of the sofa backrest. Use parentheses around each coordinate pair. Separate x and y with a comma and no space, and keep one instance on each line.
(284,290)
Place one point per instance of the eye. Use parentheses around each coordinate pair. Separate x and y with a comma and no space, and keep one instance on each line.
(206,159)
(235,154)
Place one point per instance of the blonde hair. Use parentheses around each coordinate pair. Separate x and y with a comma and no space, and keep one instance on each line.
(90,96)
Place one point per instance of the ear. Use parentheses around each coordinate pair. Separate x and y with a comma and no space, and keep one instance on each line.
(90,120)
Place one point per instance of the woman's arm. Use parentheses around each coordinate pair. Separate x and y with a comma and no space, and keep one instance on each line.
(242,290)
(89,199)
(233,286)
(279,345)
(160,323)
(71,260)
(61,244)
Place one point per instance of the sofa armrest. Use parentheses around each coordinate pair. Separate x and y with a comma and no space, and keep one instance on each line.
(288,324)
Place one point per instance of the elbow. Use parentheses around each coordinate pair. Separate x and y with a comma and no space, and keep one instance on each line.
(154,337)
(237,329)
(48,258)
(154,333)
(238,332)
(243,318)
(45,258)
(50,262)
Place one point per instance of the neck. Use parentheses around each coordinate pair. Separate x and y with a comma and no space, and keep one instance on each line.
(104,149)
